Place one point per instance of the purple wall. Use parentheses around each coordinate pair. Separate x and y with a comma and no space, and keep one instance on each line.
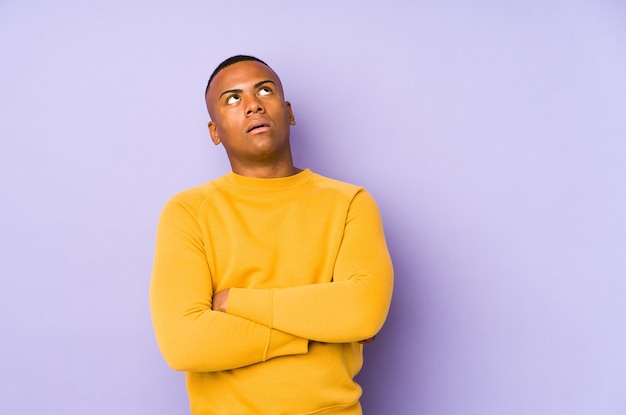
(493,137)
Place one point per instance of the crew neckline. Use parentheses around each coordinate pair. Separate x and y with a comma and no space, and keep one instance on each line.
(273,184)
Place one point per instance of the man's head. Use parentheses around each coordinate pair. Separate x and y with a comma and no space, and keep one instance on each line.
(249,114)
(228,62)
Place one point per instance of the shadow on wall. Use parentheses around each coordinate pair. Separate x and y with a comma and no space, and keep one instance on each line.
(395,357)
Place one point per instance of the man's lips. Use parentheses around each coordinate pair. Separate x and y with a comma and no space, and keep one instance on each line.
(258,127)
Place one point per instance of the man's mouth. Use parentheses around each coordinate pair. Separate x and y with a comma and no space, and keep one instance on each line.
(259,128)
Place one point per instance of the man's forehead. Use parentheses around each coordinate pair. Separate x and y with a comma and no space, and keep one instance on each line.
(243,73)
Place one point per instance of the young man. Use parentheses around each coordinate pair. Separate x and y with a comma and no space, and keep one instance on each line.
(267,280)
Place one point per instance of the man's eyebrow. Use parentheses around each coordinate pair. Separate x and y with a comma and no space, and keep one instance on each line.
(258,84)
(239,91)
(236,91)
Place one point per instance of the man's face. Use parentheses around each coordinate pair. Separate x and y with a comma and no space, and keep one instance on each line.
(249,114)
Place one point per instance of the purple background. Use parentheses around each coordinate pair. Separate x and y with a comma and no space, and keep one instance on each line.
(492,134)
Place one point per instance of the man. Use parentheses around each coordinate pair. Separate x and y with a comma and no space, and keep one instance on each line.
(267,280)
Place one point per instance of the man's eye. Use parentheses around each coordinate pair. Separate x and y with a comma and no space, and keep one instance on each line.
(232,99)
(265,91)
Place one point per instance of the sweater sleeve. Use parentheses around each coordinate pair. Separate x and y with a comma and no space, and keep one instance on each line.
(190,335)
(352,307)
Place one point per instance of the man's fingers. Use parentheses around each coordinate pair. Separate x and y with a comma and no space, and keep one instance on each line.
(371,339)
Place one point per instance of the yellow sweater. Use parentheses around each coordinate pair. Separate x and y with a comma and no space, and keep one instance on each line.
(310,275)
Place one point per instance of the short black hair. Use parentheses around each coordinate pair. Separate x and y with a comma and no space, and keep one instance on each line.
(230,61)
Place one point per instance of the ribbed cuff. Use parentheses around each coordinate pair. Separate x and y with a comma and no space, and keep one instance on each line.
(284,344)
(251,304)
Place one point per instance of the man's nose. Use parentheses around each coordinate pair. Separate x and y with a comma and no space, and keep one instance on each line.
(254,105)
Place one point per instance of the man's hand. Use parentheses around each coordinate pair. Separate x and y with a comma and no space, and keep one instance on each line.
(220,300)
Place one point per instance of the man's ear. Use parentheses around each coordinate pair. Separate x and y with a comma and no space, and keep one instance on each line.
(292,119)
(213,132)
